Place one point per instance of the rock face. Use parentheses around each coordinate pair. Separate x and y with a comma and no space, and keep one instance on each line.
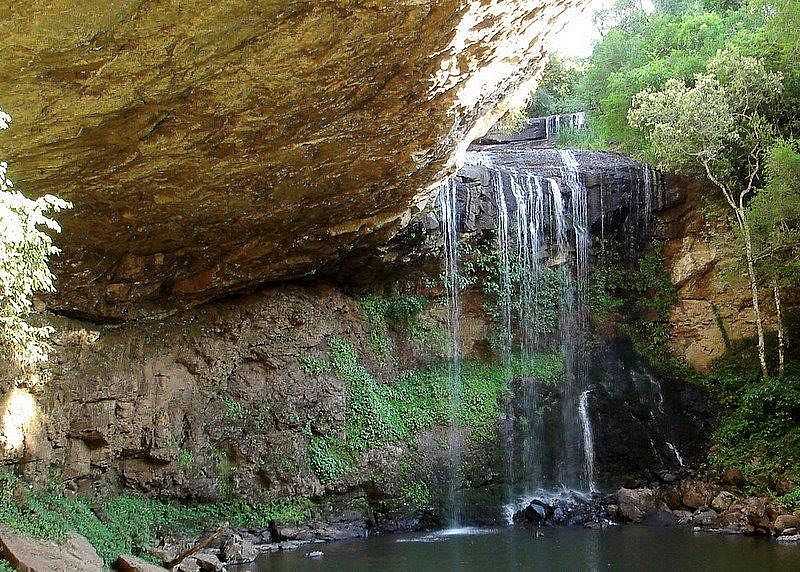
(714,308)
(213,147)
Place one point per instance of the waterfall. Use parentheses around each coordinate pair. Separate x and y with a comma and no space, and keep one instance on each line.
(553,123)
(447,205)
(577,430)
(588,438)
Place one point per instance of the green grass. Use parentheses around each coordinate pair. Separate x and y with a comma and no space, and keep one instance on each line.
(130,523)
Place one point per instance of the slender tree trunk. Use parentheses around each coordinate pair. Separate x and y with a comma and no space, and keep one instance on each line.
(741,218)
(781,339)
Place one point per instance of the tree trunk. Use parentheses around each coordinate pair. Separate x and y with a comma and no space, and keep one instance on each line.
(741,218)
(781,338)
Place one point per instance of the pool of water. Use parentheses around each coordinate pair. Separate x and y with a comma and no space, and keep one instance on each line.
(493,550)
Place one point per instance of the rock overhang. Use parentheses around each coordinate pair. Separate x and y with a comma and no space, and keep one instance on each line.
(215,147)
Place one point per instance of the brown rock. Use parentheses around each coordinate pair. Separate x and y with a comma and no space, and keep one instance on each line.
(723,501)
(128,563)
(636,504)
(314,126)
(749,516)
(732,476)
(697,494)
(786,521)
(28,555)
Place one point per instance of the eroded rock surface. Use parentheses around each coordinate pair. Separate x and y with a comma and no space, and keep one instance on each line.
(215,146)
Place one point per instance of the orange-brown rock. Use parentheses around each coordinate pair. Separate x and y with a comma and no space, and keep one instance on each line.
(216,145)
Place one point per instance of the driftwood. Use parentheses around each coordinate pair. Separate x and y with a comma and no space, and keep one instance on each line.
(196,548)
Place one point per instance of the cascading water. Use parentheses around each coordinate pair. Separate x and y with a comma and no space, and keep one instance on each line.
(447,205)
(577,469)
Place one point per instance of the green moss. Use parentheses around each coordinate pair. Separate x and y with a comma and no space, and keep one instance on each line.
(330,458)
(416,495)
(234,410)
(185,459)
(5,566)
(379,413)
(383,312)
(130,523)
(314,365)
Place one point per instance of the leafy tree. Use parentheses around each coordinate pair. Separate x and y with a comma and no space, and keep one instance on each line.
(25,249)
(716,126)
(774,216)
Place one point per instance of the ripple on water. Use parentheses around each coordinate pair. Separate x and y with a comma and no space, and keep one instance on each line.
(449,533)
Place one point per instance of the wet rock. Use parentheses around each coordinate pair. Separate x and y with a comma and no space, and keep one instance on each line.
(209,562)
(188,564)
(284,546)
(788,532)
(786,521)
(323,531)
(682,517)
(237,550)
(636,504)
(567,508)
(315,554)
(749,516)
(128,563)
(723,501)
(794,539)
(697,494)
(704,517)
(75,555)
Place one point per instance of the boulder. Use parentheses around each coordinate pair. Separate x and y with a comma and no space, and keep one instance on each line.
(722,501)
(128,563)
(237,550)
(28,555)
(786,521)
(697,494)
(751,515)
(794,539)
(682,517)
(323,531)
(636,504)
(209,562)
(188,564)
(704,517)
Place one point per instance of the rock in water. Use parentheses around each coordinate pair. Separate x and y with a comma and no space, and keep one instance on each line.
(309,127)
(75,555)
(128,563)
(636,504)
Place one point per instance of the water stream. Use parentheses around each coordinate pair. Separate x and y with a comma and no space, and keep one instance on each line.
(449,216)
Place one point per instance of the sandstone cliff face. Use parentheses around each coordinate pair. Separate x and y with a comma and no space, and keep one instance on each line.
(213,146)
(714,308)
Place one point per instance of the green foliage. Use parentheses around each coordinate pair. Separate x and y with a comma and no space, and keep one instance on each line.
(557,91)
(185,459)
(791,501)
(379,413)
(774,216)
(224,470)
(759,432)
(129,523)
(416,495)
(641,296)
(5,566)
(314,365)
(25,251)
(234,410)
(396,310)
(330,458)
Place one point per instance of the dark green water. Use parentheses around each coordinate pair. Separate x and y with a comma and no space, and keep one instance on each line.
(624,548)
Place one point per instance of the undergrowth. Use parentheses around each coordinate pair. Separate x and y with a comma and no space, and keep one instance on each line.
(379,413)
(128,523)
